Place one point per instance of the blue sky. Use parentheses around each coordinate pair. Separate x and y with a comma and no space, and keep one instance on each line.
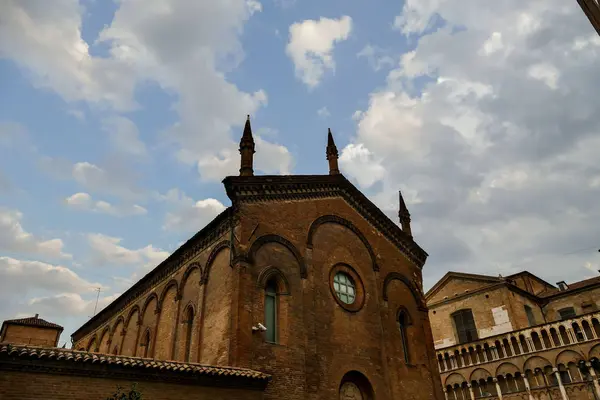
(118,122)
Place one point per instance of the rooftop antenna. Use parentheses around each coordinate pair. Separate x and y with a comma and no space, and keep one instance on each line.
(98,289)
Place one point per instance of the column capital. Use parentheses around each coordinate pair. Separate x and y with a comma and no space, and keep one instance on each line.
(554,369)
(445,390)
(495,380)
(469,385)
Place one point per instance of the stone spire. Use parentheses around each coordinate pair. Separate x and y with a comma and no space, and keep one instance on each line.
(404,216)
(332,154)
(247,150)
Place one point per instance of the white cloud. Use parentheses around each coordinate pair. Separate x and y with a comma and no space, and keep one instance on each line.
(124,135)
(106,250)
(490,127)
(323,112)
(113,178)
(270,158)
(84,201)
(45,38)
(23,276)
(68,304)
(359,162)
(185,47)
(188,215)
(311,45)
(14,238)
(377,58)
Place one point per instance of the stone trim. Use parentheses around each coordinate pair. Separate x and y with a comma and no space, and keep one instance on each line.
(412,286)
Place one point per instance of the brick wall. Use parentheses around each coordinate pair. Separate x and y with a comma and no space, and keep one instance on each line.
(575,300)
(30,335)
(16,385)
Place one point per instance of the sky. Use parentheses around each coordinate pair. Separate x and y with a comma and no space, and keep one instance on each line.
(118,121)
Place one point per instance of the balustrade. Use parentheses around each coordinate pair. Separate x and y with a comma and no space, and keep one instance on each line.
(529,340)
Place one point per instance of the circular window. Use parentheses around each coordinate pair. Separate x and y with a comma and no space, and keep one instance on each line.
(346,287)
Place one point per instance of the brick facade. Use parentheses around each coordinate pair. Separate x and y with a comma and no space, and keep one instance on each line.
(206,302)
(542,355)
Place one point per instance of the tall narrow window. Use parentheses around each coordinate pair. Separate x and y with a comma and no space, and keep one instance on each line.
(189,322)
(403,322)
(530,316)
(271,311)
(465,326)
(146,343)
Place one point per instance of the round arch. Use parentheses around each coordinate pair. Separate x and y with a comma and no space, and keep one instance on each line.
(147,302)
(594,352)
(273,272)
(188,271)
(506,369)
(536,362)
(567,356)
(172,283)
(134,309)
(479,374)
(272,238)
(454,379)
(354,381)
(222,245)
(119,319)
(335,219)
(392,276)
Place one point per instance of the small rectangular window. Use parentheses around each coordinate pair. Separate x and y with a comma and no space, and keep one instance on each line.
(271,317)
(530,316)
(567,313)
(465,326)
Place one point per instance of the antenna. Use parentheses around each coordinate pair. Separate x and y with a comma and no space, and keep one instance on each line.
(98,289)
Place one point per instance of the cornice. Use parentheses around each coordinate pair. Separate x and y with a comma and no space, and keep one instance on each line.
(190,249)
(266,188)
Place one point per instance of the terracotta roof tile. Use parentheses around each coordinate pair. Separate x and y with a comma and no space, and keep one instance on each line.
(69,355)
(571,287)
(33,321)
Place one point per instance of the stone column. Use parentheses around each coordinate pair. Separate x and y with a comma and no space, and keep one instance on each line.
(445,363)
(527,387)
(498,388)
(446,393)
(594,379)
(563,392)
(520,345)
(471,391)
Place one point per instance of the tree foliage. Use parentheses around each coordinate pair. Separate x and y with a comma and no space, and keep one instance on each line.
(132,394)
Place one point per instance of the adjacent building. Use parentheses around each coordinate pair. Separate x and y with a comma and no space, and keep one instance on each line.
(591,8)
(30,330)
(516,336)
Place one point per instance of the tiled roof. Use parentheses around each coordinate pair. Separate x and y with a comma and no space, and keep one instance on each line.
(33,321)
(73,356)
(571,287)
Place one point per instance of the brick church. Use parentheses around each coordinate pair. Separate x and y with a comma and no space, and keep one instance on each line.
(301,289)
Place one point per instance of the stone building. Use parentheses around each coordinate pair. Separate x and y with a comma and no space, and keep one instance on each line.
(302,278)
(516,337)
(591,8)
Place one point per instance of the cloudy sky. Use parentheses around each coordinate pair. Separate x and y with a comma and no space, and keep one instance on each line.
(118,120)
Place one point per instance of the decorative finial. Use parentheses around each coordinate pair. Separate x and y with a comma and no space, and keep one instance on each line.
(404,215)
(247,150)
(332,154)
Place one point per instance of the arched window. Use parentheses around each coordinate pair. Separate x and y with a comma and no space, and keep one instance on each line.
(271,311)
(403,322)
(189,322)
(465,326)
(146,343)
